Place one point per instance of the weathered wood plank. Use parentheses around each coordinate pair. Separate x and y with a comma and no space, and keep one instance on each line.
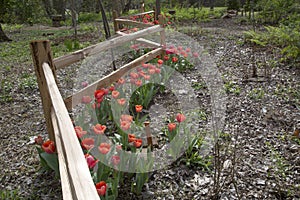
(74,57)
(69,59)
(138,14)
(63,170)
(143,41)
(129,22)
(41,53)
(76,98)
(76,164)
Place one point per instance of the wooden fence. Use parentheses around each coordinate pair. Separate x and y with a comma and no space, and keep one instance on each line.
(75,176)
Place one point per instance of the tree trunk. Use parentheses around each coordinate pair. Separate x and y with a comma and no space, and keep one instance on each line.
(157,9)
(59,6)
(211,4)
(3,37)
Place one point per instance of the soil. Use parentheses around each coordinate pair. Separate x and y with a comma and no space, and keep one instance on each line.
(258,156)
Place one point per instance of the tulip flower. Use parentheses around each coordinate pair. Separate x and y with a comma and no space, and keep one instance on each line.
(48,147)
(88,143)
(99,129)
(104,148)
(101,188)
(121,101)
(138,108)
(115,94)
(180,117)
(91,161)
(86,99)
(79,131)
(171,126)
(115,159)
(138,143)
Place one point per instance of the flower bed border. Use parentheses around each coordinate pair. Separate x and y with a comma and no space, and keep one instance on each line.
(75,177)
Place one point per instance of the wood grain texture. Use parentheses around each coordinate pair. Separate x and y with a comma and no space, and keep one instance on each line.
(76,98)
(41,53)
(66,185)
(129,22)
(76,164)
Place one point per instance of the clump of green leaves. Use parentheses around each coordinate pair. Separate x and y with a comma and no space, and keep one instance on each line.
(286,36)
(232,87)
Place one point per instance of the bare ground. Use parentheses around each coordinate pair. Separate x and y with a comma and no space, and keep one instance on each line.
(259,159)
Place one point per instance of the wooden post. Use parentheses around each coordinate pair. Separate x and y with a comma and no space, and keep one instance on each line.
(162,34)
(116,25)
(148,134)
(41,53)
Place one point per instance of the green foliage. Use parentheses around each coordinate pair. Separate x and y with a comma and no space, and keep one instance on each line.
(272,11)
(28,81)
(5,90)
(9,195)
(28,11)
(286,36)
(233,4)
(232,87)
(193,158)
(256,93)
(89,17)
(186,14)
(72,45)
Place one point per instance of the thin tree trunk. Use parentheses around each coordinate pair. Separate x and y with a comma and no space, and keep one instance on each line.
(3,37)
(157,9)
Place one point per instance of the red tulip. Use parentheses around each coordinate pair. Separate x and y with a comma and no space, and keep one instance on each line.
(121,81)
(88,143)
(121,101)
(104,148)
(138,83)
(101,188)
(86,99)
(91,161)
(160,61)
(138,143)
(115,159)
(125,125)
(99,129)
(180,117)
(48,146)
(115,94)
(131,138)
(174,59)
(138,108)
(166,57)
(99,94)
(79,131)
(128,118)
(171,126)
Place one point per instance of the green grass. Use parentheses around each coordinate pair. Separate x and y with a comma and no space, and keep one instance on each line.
(204,14)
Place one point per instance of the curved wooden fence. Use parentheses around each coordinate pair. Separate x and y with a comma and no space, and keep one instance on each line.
(75,176)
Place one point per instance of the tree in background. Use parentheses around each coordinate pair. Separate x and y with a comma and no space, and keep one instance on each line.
(233,4)
(3,37)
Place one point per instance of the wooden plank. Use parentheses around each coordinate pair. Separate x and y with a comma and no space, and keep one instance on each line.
(143,41)
(75,99)
(41,53)
(139,14)
(74,57)
(80,178)
(115,42)
(129,22)
(115,16)
(64,173)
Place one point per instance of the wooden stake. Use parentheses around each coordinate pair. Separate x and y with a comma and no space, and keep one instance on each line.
(148,134)
(41,53)
(116,25)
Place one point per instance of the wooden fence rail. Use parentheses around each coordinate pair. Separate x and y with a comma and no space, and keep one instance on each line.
(75,176)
